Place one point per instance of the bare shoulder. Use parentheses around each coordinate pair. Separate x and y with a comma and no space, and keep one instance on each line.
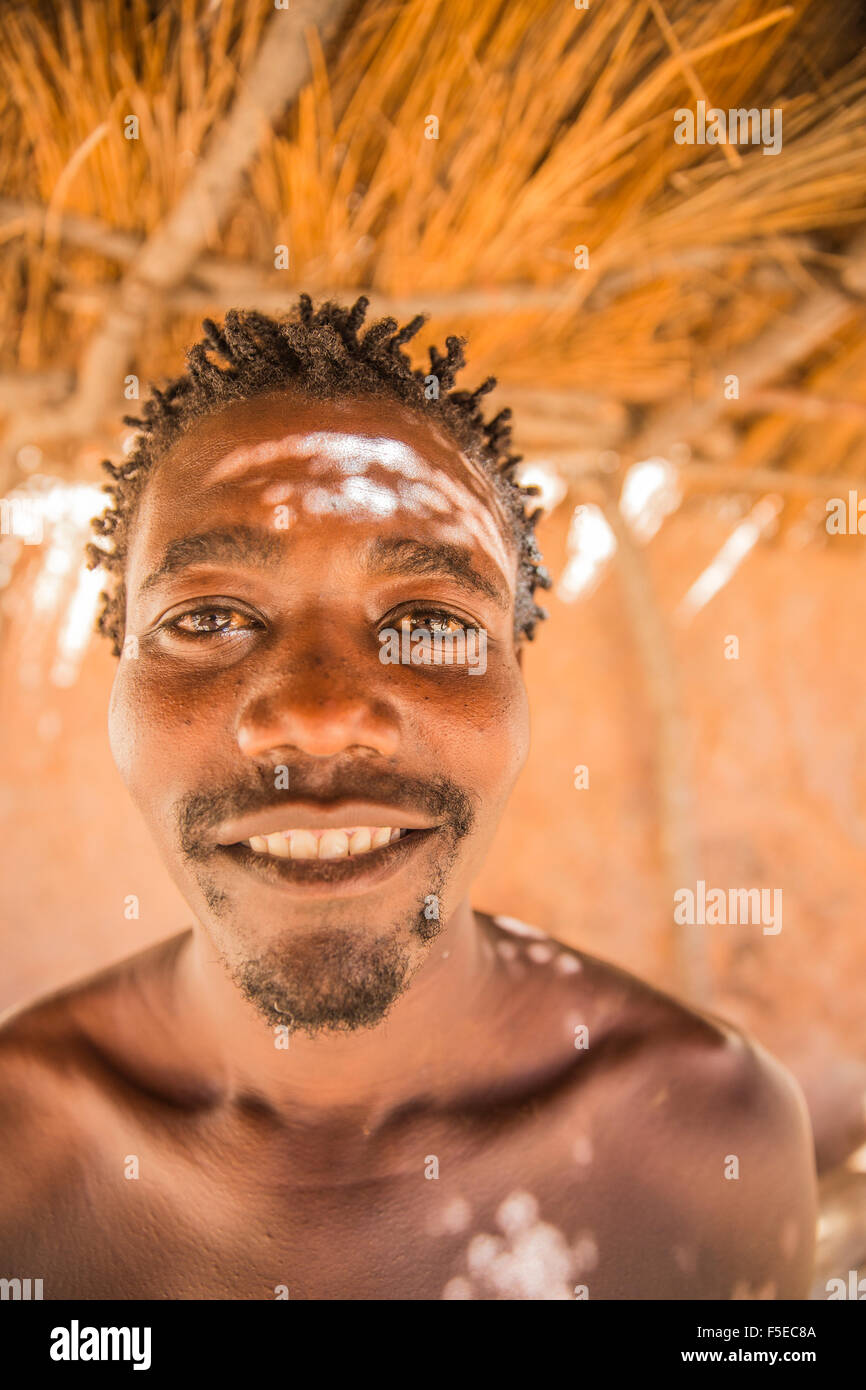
(55,1028)
(727,1132)
(700,1119)
(57,1084)
(44,1138)
(647,1035)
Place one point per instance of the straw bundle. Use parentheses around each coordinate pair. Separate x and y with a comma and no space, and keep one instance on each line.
(555,130)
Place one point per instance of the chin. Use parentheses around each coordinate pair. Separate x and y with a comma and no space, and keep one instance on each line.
(336,980)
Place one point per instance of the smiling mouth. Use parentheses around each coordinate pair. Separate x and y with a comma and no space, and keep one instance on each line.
(334,872)
(342,843)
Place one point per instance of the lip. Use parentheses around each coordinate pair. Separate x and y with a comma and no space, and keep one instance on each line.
(309,815)
(330,878)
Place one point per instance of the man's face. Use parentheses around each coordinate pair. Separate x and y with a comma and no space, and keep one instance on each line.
(274,545)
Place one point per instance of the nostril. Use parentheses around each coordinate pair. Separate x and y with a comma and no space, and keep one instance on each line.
(318,729)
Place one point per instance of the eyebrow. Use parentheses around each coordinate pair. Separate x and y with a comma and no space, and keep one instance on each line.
(243,545)
(408,557)
(247,545)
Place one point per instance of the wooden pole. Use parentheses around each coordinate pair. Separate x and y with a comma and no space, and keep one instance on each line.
(670,740)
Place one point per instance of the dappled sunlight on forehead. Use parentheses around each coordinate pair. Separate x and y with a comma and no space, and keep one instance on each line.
(361,477)
(339,449)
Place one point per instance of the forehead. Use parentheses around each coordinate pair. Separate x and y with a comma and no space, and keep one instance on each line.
(323,469)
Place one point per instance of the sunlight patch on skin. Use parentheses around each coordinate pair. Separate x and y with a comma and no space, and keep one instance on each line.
(359,498)
(356,495)
(416,486)
(517,1213)
(581,1150)
(458,1288)
(341,451)
(482,1253)
(518,928)
(277,492)
(423,496)
(540,953)
(585,1253)
(451,1219)
(531,1260)
(567,964)
(336,449)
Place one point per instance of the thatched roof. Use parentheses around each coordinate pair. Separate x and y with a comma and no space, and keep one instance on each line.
(555,130)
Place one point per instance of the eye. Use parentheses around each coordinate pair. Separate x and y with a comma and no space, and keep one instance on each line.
(435,620)
(210,620)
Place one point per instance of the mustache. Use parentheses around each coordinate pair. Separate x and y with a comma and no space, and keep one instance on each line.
(200,813)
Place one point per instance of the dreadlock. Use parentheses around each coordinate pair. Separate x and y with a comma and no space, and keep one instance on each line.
(320,353)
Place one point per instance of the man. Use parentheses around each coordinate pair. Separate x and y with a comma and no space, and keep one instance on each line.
(342,1082)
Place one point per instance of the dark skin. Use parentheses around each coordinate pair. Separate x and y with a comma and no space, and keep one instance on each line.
(522,1121)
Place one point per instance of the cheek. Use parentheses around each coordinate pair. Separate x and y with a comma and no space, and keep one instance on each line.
(150,729)
(481,730)
(509,733)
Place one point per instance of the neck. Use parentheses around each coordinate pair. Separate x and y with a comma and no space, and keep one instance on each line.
(420,1048)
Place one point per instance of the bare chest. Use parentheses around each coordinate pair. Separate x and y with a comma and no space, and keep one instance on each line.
(504,1216)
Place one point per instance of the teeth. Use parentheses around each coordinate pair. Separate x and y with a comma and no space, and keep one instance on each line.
(325,844)
(334,844)
(299,844)
(277,845)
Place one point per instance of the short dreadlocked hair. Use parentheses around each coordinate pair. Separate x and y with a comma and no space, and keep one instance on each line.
(319,354)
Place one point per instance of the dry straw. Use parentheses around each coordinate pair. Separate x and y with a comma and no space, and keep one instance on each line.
(555,129)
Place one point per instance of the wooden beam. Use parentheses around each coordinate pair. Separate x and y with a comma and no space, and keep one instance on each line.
(219,284)
(791,338)
(220,280)
(723,477)
(279,71)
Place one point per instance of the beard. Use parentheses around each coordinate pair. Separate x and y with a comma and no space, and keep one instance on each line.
(331,980)
(337,976)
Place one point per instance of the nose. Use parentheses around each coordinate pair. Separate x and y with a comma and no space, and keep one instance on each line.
(320,710)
